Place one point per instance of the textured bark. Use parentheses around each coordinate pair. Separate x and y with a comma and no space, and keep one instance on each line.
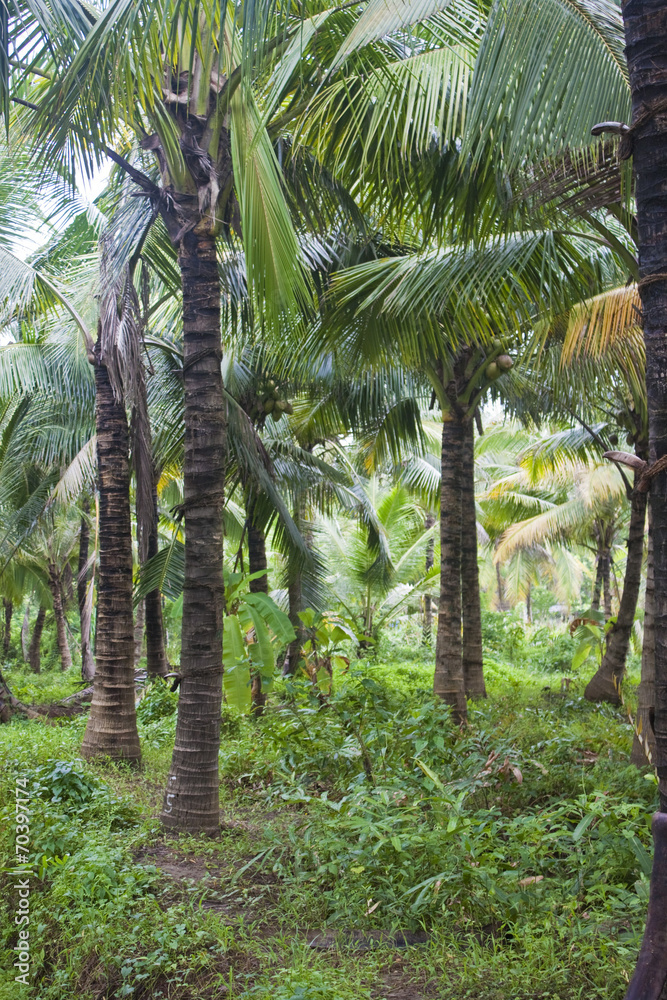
(59,613)
(112,723)
(448,681)
(156,654)
(646,51)
(192,795)
(35,651)
(8,609)
(473,658)
(645,691)
(82,581)
(138,633)
(646,38)
(597,585)
(605,560)
(256,564)
(427,626)
(257,558)
(603,685)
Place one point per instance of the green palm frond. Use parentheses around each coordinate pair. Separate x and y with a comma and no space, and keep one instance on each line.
(546,72)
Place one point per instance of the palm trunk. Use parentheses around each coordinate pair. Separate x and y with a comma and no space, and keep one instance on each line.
(138,633)
(597,586)
(112,723)
(87,661)
(448,681)
(529,604)
(295,594)
(646,43)
(156,654)
(25,634)
(34,652)
(502,604)
(192,796)
(7,635)
(473,658)
(646,689)
(427,625)
(59,613)
(604,685)
(606,583)
(257,564)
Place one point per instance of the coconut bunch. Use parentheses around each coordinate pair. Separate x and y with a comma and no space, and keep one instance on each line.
(501,364)
(270,401)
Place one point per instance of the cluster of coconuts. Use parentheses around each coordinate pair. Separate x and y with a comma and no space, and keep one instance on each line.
(271,401)
(502,363)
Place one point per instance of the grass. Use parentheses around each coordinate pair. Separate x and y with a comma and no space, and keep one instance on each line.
(514,855)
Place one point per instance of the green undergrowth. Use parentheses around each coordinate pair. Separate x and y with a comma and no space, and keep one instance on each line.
(514,854)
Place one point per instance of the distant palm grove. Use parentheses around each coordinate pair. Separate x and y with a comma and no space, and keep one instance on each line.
(333,444)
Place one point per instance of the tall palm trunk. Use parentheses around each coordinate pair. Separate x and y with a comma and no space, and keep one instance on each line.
(34,651)
(257,558)
(257,564)
(82,582)
(604,684)
(55,586)
(606,582)
(295,590)
(156,654)
(8,608)
(112,723)
(448,681)
(139,627)
(473,659)
(646,689)
(646,45)
(597,585)
(427,625)
(191,799)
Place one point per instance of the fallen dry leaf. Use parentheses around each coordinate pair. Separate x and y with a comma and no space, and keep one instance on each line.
(530,880)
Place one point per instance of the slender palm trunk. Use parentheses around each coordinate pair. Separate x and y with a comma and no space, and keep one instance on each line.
(138,634)
(55,586)
(34,652)
(597,585)
(257,558)
(257,564)
(191,799)
(500,586)
(156,654)
(427,625)
(473,658)
(604,684)
(8,608)
(82,582)
(646,689)
(25,634)
(295,593)
(448,681)
(112,723)
(646,45)
(606,583)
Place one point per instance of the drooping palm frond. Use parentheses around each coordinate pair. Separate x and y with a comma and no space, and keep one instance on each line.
(546,72)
